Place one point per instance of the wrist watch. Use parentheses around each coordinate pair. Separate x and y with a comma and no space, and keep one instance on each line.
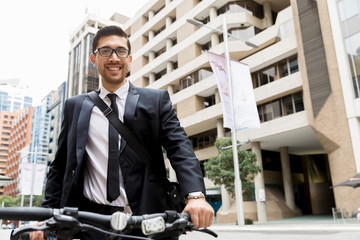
(194,195)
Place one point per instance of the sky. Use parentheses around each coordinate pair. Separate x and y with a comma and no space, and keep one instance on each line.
(34,38)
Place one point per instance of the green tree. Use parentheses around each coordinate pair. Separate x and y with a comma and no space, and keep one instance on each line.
(8,201)
(16,202)
(220,169)
(38,199)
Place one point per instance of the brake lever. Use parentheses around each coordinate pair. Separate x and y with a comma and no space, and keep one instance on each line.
(50,226)
(16,233)
(184,225)
(206,230)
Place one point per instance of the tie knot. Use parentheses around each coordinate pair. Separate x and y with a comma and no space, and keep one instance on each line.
(112,97)
(113,104)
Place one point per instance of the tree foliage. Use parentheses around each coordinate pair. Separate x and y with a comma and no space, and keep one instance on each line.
(220,169)
(8,201)
(16,202)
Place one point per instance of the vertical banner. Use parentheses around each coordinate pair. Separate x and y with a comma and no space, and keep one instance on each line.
(245,109)
(28,172)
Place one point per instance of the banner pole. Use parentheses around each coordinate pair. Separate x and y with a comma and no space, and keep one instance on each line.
(238,186)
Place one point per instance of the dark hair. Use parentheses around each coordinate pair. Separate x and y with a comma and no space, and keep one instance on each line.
(108,31)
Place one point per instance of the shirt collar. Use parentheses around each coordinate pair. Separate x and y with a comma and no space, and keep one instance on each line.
(121,92)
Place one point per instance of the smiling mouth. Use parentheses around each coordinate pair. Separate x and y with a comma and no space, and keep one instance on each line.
(114,68)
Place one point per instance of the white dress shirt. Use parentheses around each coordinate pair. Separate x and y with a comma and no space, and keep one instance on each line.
(95,172)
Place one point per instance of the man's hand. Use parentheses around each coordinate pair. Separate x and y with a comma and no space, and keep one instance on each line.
(201,213)
(37,235)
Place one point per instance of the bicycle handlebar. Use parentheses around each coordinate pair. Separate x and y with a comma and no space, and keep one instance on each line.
(67,221)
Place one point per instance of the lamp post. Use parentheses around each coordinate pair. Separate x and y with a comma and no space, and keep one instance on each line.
(238,185)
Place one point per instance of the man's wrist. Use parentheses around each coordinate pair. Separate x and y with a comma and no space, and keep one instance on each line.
(195,195)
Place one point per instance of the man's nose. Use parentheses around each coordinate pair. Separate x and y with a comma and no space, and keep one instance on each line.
(114,56)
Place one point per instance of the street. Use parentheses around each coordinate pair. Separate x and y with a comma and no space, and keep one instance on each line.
(260,235)
(5,234)
(277,235)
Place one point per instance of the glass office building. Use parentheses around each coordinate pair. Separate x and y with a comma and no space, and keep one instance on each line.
(349,11)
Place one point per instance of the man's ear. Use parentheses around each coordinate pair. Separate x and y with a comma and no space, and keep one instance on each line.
(93,59)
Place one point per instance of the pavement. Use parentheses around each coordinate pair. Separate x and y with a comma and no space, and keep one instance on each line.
(311,223)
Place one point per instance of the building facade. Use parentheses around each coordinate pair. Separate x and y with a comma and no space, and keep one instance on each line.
(13,95)
(20,136)
(305,75)
(307,141)
(6,119)
(55,109)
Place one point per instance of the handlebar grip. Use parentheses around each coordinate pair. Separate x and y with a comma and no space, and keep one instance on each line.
(185,215)
(26,213)
(96,219)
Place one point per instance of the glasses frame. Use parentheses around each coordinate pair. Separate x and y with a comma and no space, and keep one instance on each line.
(112,51)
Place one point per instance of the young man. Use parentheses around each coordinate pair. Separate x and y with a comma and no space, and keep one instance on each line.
(78,175)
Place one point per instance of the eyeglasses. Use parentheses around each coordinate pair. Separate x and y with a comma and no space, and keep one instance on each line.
(107,52)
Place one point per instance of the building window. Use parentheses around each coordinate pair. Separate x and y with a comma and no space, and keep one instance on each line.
(281,107)
(293,65)
(267,75)
(248,6)
(161,51)
(159,31)
(245,32)
(175,66)
(195,77)
(288,105)
(205,47)
(160,74)
(274,72)
(76,70)
(298,102)
(203,140)
(209,101)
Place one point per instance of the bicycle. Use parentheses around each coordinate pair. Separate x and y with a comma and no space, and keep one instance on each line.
(64,223)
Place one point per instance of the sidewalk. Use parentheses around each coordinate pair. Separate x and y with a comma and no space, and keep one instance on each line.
(304,223)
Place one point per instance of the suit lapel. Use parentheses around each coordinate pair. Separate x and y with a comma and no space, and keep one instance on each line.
(129,112)
(83,127)
(130,105)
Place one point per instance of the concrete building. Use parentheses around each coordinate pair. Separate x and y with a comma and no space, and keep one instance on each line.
(20,135)
(6,119)
(307,140)
(305,75)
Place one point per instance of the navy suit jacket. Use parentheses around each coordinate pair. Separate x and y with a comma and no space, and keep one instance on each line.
(152,119)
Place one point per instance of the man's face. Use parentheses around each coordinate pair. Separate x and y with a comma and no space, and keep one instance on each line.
(112,69)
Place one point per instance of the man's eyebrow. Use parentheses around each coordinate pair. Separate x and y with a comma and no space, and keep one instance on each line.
(114,48)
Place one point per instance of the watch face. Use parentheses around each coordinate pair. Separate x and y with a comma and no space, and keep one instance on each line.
(196,194)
